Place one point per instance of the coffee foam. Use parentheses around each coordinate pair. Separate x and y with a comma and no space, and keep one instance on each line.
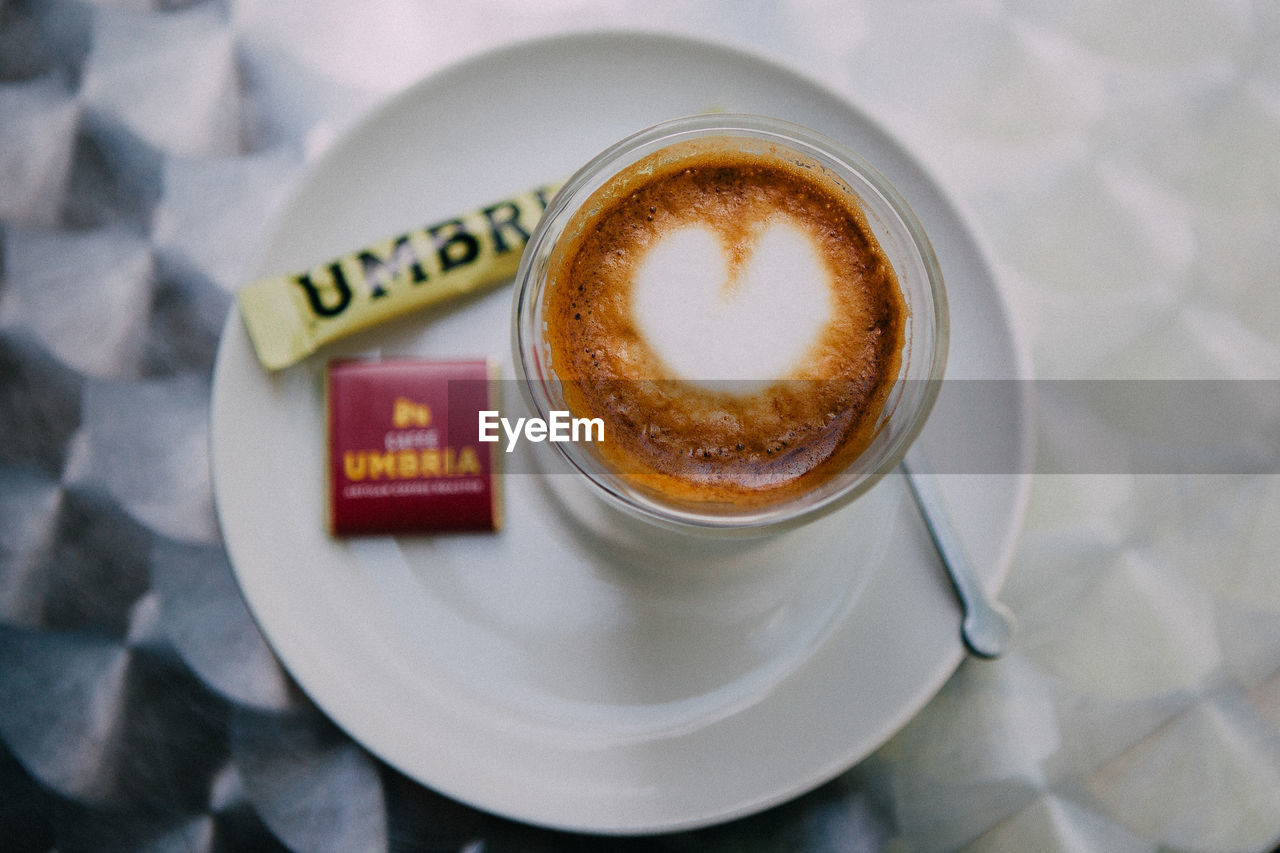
(705,305)
(730,316)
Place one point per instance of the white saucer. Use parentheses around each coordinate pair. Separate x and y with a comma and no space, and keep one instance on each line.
(577,670)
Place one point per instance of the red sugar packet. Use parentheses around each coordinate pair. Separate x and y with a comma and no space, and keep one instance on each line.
(404,448)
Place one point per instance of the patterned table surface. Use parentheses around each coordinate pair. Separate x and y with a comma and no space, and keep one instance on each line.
(1120,159)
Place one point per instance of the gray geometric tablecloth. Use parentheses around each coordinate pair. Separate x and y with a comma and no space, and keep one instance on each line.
(1121,160)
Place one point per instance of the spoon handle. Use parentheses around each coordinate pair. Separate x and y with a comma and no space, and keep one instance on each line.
(988,625)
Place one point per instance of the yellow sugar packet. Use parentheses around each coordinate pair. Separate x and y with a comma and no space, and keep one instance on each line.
(291,316)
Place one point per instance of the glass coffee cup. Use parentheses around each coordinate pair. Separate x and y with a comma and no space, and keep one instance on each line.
(652,375)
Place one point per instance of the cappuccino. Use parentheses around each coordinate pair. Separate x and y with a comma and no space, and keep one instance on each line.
(728,314)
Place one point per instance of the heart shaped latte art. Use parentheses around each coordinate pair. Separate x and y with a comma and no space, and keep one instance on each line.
(732,326)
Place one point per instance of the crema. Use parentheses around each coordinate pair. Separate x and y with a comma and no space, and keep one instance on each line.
(729,315)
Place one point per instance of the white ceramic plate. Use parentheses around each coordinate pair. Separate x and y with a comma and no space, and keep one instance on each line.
(576,670)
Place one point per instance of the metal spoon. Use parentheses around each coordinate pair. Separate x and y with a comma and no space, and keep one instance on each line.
(988,625)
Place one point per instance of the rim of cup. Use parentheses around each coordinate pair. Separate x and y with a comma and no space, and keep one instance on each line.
(901,237)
